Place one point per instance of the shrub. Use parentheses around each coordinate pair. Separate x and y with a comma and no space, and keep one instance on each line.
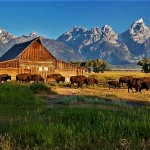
(40,88)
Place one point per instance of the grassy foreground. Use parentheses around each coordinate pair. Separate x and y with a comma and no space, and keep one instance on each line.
(26,123)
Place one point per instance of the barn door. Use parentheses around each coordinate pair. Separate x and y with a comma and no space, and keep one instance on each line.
(27,70)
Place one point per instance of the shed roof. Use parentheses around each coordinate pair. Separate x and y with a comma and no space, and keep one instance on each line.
(16,50)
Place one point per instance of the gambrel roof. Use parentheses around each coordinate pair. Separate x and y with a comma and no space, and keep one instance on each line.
(16,50)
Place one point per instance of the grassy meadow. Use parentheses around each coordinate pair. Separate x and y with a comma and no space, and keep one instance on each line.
(115,75)
(95,118)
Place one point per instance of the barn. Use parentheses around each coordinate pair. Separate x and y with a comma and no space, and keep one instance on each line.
(32,57)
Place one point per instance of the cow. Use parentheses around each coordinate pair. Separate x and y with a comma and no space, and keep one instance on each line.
(5,77)
(145,83)
(23,77)
(50,80)
(57,77)
(138,84)
(114,83)
(92,81)
(125,79)
(144,79)
(79,79)
(36,78)
(133,83)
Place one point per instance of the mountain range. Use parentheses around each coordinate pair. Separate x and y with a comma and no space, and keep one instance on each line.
(118,49)
(80,44)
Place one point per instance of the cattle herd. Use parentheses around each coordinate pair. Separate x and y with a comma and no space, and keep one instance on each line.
(132,83)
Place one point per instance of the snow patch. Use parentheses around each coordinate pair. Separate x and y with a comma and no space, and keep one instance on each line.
(1,31)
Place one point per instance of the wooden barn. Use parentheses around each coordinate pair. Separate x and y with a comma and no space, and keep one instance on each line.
(32,57)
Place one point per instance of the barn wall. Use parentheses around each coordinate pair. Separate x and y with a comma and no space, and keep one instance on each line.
(36,59)
(69,72)
(68,69)
(10,63)
(10,71)
(41,68)
(37,52)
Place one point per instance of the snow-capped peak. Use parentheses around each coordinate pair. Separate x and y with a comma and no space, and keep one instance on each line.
(106,28)
(140,20)
(76,29)
(5,36)
(138,31)
(137,24)
(33,34)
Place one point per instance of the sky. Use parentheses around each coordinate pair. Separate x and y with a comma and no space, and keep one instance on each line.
(53,18)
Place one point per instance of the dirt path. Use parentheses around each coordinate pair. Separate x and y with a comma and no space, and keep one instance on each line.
(134,99)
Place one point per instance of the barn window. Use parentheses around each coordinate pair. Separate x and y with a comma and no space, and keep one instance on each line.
(40,68)
(46,68)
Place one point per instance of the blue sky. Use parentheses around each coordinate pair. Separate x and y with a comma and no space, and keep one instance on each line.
(52,18)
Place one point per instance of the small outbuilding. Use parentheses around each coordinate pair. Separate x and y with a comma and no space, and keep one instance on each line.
(32,57)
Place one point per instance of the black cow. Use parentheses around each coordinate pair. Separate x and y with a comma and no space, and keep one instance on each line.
(80,80)
(5,77)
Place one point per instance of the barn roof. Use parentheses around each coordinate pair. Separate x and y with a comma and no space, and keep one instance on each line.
(16,50)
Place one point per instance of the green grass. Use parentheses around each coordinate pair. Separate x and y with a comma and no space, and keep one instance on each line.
(25,123)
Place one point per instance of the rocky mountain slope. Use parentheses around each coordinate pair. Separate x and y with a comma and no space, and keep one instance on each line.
(58,49)
(125,48)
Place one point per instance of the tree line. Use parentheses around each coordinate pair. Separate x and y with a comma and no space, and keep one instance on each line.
(96,65)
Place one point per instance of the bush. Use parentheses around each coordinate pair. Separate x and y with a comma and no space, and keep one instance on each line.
(40,88)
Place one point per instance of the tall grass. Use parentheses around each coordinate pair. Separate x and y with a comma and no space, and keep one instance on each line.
(13,95)
(30,125)
(83,128)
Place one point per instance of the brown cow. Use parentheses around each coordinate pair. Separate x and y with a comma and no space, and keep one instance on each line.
(23,77)
(57,77)
(145,83)
(92,81)
(80,80)
(36,78)
(133,83)
(125,79)
(50,80)
(144,79)
(114,83)
(138,84)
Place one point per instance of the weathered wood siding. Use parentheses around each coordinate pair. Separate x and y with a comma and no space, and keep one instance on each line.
(67,69)
(36,59)
(10,63)
(10,71)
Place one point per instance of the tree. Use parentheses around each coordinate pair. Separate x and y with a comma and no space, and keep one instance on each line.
(96,65)
(145,63)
